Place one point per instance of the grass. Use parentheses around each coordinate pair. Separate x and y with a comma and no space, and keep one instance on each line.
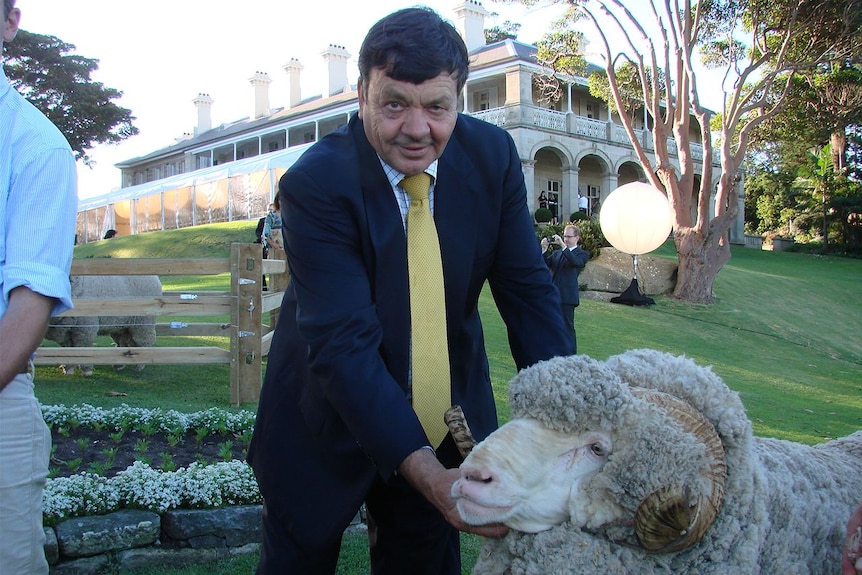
(784,333)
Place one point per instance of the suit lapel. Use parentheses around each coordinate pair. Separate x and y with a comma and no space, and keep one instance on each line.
(456,211)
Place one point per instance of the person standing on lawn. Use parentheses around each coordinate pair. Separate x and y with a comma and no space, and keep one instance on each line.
(566,265)
(37,179)
(338,422)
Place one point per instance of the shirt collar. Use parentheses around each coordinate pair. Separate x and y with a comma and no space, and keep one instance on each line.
(395,176)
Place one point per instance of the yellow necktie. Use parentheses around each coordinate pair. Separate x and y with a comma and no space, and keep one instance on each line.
(430,352)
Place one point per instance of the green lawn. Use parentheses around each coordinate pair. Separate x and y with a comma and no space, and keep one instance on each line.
(784,332)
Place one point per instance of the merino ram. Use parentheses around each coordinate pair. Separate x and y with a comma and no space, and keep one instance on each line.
(646,464)
(126,331)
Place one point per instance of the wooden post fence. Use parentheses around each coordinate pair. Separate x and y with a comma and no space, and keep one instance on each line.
(245,304)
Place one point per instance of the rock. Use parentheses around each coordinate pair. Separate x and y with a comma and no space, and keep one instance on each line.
(85,566)
(612,272)
(200,528)
(85,536)
(52,547)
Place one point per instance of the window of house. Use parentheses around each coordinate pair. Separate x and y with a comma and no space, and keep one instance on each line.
(483,101)
(553,192)
(594,195)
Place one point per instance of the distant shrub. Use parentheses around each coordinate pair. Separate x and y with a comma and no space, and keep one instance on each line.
(543,215)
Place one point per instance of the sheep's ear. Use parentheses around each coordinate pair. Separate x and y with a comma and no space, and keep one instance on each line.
(670,518)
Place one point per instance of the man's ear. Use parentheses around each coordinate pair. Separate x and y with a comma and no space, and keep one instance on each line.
(360,94)
(10,25)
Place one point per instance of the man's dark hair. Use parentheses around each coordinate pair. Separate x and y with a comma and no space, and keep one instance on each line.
(414,45)
(7,7)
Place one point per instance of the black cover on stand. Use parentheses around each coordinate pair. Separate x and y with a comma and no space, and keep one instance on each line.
(633,296)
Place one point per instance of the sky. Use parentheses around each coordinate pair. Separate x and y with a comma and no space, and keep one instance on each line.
(162,53)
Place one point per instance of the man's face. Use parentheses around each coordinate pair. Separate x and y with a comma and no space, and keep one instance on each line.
(9,26)
(569,238)
(407,124)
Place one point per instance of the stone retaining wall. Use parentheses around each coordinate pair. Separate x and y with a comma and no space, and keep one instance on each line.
(131,539)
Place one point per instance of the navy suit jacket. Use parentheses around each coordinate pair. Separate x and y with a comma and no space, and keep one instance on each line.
(334,408)
(566,266)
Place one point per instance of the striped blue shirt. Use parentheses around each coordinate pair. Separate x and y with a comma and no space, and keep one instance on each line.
(38,202)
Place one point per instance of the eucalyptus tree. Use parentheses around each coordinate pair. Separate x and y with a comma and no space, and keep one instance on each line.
(760,45)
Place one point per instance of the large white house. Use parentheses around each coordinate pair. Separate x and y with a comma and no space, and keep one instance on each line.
(230,172)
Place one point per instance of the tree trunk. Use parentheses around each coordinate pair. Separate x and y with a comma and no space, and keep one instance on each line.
(701,257)
(838,148)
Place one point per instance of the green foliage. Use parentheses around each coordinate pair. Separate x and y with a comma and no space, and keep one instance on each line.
(820,105)
(507,30)
(560,52)
(58,83)
(628,81)
(543,215)
(563,48)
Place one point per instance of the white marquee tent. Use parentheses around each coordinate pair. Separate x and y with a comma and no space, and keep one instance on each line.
(238,190)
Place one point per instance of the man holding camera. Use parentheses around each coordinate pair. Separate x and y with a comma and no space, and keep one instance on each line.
(566,265)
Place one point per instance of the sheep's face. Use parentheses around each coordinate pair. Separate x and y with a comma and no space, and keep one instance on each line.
(526,475)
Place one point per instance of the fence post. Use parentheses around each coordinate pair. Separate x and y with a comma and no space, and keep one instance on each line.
(245,289)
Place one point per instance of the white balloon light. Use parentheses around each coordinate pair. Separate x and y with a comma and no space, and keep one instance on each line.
(635,218)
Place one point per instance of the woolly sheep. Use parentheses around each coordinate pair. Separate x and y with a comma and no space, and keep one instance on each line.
(640,461)
(126,331)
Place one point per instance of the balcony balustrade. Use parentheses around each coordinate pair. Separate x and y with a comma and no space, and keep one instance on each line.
(606,132)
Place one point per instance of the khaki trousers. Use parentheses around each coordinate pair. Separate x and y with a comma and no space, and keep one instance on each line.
(25,447)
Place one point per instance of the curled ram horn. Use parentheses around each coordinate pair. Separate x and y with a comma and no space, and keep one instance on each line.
(670,518)
(454,418)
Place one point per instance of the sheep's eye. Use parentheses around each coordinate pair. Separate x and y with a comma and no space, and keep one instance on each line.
(598,450)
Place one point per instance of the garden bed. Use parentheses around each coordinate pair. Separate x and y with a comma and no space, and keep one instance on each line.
(156,460)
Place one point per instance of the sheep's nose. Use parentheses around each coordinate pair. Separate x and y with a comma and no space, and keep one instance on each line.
(478,476)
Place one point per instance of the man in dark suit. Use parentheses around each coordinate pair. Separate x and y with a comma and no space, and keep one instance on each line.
(335,426)
(566,265)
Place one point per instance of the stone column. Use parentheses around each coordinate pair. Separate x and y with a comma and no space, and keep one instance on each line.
(529,169)
(610,182)
(569,201)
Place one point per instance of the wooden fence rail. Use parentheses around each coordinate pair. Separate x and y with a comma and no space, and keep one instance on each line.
(245,304)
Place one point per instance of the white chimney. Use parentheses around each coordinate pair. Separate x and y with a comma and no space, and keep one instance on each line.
(470,22)
(260,81)
(294,94)
(204,105)
(337,57)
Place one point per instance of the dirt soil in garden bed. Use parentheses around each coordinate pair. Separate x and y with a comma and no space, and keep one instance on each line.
(96,451)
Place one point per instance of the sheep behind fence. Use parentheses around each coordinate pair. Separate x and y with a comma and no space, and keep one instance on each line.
(125,331)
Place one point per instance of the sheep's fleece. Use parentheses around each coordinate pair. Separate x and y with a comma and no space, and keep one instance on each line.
(786,504)
(126,331)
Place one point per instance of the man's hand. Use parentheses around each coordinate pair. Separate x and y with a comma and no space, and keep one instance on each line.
(422,470)
(22,328)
